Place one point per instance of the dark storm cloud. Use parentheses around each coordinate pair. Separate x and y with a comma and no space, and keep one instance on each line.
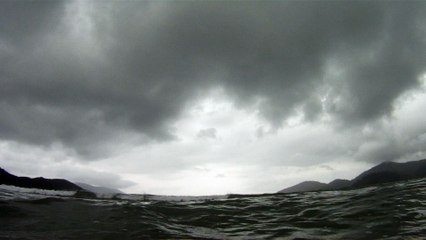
(25,21)
(145,61)
(392,65)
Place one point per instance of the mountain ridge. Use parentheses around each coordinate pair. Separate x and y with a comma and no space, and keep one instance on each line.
(382,173)
(38,182)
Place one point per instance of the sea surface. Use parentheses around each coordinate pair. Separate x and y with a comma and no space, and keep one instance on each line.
(390,211)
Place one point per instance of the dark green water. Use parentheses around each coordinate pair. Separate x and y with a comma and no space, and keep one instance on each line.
(392,211)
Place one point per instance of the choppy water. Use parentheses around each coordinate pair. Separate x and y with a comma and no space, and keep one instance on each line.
(392,211)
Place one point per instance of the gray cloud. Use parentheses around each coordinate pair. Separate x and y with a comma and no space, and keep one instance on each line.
(393,142)
(207,133)
(28,160)
(24,23)
(82,77)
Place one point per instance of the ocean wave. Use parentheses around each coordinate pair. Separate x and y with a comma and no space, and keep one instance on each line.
(390,211)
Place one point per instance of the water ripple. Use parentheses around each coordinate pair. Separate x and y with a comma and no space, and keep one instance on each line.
(391,211)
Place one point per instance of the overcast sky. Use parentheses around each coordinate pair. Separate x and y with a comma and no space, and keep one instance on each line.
(210,97)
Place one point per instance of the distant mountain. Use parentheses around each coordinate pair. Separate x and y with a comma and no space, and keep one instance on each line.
(305,187)
(40,183)
(339,184)
(390,172)
(382,173)
(98,190)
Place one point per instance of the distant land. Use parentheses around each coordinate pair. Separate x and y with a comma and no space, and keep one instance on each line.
(99,190)
(83,189)
(39,182)
(382,173)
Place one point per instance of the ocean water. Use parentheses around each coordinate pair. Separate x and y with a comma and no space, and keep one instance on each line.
(390,211)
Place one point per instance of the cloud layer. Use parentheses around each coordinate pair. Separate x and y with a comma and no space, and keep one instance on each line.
(101,77)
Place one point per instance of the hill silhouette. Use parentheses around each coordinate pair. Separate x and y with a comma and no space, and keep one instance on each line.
(390,172)
(305,187)
(383,173)
(39,182)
